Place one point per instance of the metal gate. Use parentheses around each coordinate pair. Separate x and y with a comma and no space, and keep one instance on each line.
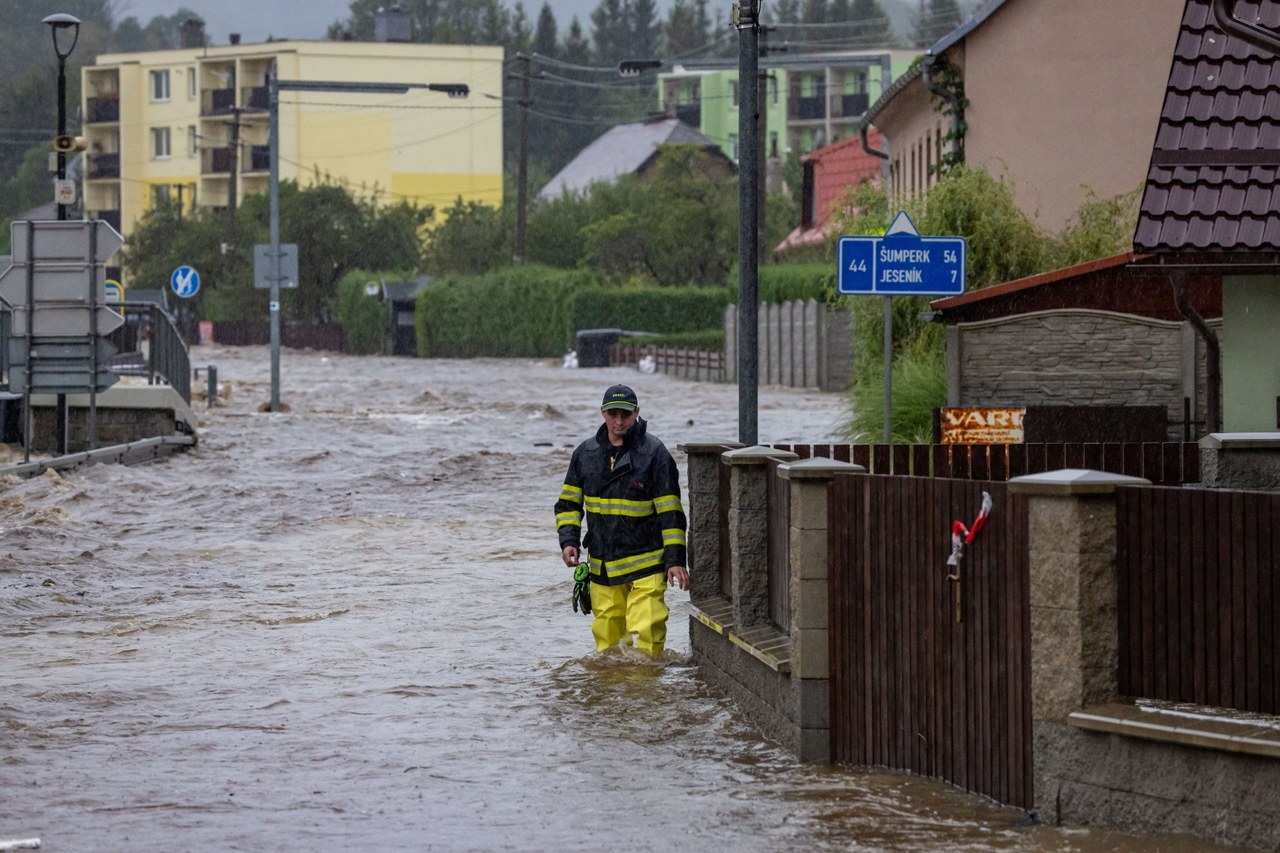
(912,687)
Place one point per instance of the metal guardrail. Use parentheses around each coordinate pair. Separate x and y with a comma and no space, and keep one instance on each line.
(148,344)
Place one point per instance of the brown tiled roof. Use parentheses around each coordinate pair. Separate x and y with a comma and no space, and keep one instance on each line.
(1212,184)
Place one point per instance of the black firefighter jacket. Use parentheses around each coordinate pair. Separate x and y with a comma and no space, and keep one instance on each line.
(635,522)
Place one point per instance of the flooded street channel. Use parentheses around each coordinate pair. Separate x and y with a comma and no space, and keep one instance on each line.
(347,627)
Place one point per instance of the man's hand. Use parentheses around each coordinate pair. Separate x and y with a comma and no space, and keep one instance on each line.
(678,576)
(570,556)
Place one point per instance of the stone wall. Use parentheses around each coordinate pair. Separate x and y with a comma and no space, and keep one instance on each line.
(114,426)
(1077,357)
(1100,759)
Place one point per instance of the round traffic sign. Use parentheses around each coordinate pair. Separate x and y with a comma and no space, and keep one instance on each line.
(185,281)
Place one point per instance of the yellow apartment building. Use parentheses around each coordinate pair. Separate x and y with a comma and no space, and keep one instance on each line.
(162,124)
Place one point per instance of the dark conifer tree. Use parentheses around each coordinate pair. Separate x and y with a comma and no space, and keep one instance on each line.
(546,37)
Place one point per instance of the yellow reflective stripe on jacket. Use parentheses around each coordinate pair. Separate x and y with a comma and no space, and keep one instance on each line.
(618,506)
(571,493)
(566,518)
(667,503)
(672,536)
(630,564)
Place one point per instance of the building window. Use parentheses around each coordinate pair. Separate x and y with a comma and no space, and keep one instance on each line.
(159,85)
(160,143)
(733,146)
(160,195)
(733,92)
(773,144)
(191,84)
(193,147)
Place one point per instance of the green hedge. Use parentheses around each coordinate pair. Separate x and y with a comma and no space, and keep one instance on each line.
(649,309)
(364,317)
(791,282)
(510,312)
(707,339)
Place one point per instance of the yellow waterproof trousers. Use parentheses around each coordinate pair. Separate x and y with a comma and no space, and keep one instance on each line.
(634,608)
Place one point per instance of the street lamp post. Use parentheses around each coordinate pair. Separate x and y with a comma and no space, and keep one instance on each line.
(65,30)
(64,27)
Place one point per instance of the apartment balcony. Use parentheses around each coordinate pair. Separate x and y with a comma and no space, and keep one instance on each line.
(215,102)
(690,114)
(102,110)
(258,159)
(111,217)
(809,108)
(103,166)
(850,106)
(255,98)
(215,161)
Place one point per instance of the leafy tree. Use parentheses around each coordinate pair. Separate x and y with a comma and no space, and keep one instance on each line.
(785,12)
(1002,244)
(474,238)
(335,232)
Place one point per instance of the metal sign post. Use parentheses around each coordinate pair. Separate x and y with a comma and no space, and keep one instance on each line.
(57,289)
(901,263)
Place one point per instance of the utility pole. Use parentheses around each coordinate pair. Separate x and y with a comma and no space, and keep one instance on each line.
(762,140)
(746,21)
(233,159)
(522,160)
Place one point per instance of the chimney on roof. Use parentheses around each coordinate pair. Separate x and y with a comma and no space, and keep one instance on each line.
(191,33)
(392,24)
(235,38)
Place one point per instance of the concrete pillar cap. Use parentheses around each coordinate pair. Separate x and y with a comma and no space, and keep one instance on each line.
(755,455)
(707,446)
(1073,481)
(1241,440)
(818,468)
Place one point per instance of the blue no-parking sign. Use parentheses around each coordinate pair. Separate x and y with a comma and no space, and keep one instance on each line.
(185,281)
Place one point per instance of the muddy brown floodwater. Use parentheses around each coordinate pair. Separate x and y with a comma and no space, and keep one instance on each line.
(347,627)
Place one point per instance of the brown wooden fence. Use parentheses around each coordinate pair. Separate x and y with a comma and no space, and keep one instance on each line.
(1170,463)
(912,688)
(1198,592)
(322,336)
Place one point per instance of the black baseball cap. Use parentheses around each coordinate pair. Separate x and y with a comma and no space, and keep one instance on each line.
(620,397)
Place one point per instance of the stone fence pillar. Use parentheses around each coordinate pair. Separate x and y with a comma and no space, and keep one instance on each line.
(749,532)
(703,512)
(1074,635)
(1241,460)
(810,605)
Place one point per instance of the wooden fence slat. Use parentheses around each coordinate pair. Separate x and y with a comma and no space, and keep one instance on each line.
(1253,650)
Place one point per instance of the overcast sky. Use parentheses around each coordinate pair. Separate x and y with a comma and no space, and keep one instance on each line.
(254,20)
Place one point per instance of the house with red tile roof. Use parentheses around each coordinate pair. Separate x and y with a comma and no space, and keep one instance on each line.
(1212,194)
(829,173)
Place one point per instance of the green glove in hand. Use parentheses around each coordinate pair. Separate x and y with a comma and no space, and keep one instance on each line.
(581,590)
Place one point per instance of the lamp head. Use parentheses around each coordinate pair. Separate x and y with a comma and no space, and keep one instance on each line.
(63,23)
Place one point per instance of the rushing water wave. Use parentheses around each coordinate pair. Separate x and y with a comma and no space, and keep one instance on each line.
(346,626)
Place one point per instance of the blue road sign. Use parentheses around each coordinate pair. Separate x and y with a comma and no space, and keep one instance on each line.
(185,281)
(901,263)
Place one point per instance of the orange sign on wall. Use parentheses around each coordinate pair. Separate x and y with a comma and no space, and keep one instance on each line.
(981,426)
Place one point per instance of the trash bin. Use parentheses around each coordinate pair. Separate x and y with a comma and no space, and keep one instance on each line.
(594,344)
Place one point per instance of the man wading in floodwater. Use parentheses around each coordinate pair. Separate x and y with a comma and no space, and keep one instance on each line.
(628,486)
